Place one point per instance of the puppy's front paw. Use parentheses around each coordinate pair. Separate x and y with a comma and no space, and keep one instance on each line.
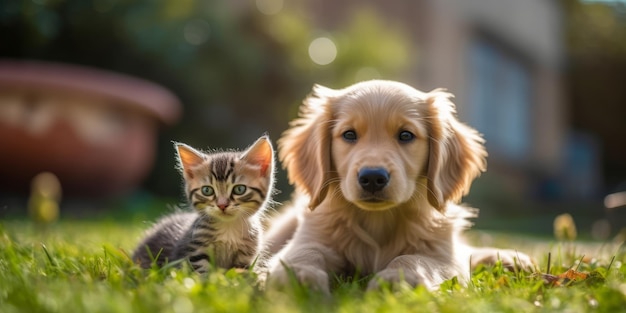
(309,276)
(396,277)
(511,259)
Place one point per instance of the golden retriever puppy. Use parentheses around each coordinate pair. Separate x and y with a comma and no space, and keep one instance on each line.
(381,167)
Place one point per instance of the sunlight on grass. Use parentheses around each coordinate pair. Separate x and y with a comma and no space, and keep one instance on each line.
(83,266)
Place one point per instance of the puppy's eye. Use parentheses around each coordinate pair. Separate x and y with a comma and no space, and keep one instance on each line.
(349,136)
(405,136)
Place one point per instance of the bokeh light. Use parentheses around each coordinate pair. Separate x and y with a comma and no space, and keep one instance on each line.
(322,51)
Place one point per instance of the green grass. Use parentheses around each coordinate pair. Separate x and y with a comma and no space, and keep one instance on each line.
(83,266)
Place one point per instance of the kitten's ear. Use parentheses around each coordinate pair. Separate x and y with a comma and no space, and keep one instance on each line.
(262,154)
(188,158)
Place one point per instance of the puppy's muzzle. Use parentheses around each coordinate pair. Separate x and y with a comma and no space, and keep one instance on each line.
(373,179)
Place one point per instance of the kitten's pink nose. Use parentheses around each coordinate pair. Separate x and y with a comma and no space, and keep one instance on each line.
(223,205)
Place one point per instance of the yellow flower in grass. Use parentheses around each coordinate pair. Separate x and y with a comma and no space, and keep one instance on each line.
(564,227)
(45,194)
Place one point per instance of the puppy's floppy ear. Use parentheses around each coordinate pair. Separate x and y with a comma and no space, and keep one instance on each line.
(304,148)
(457,153)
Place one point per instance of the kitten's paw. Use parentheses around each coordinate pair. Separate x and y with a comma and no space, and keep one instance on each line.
(309,276)
(511,259)
(395,278)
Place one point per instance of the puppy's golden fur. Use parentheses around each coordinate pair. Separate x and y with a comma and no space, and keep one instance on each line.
(381,167)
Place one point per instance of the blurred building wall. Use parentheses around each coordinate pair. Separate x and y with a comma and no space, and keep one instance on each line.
(514,49)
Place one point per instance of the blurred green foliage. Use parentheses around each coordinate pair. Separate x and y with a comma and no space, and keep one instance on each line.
(596,29)
(238,72)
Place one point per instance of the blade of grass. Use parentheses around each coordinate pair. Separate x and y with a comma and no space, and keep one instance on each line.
(50,259)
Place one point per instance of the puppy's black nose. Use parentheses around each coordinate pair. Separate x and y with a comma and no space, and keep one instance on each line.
(373,179)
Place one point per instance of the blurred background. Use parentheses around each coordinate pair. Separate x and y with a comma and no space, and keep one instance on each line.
(95,91)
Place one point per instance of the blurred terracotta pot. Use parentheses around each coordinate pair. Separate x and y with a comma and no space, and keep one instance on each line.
(96,130)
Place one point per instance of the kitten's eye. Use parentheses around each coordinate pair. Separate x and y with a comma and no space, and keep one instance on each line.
(207,191)
(239,190)
(405,136)
(349,136)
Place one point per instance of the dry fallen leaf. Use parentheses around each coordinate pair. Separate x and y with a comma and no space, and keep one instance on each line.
(572,276)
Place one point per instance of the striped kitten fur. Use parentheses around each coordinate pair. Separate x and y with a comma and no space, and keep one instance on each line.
(228,193)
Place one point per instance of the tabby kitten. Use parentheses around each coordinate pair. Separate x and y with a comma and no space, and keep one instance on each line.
(228,192)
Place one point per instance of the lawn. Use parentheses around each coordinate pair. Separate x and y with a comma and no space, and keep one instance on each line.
(83,266)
